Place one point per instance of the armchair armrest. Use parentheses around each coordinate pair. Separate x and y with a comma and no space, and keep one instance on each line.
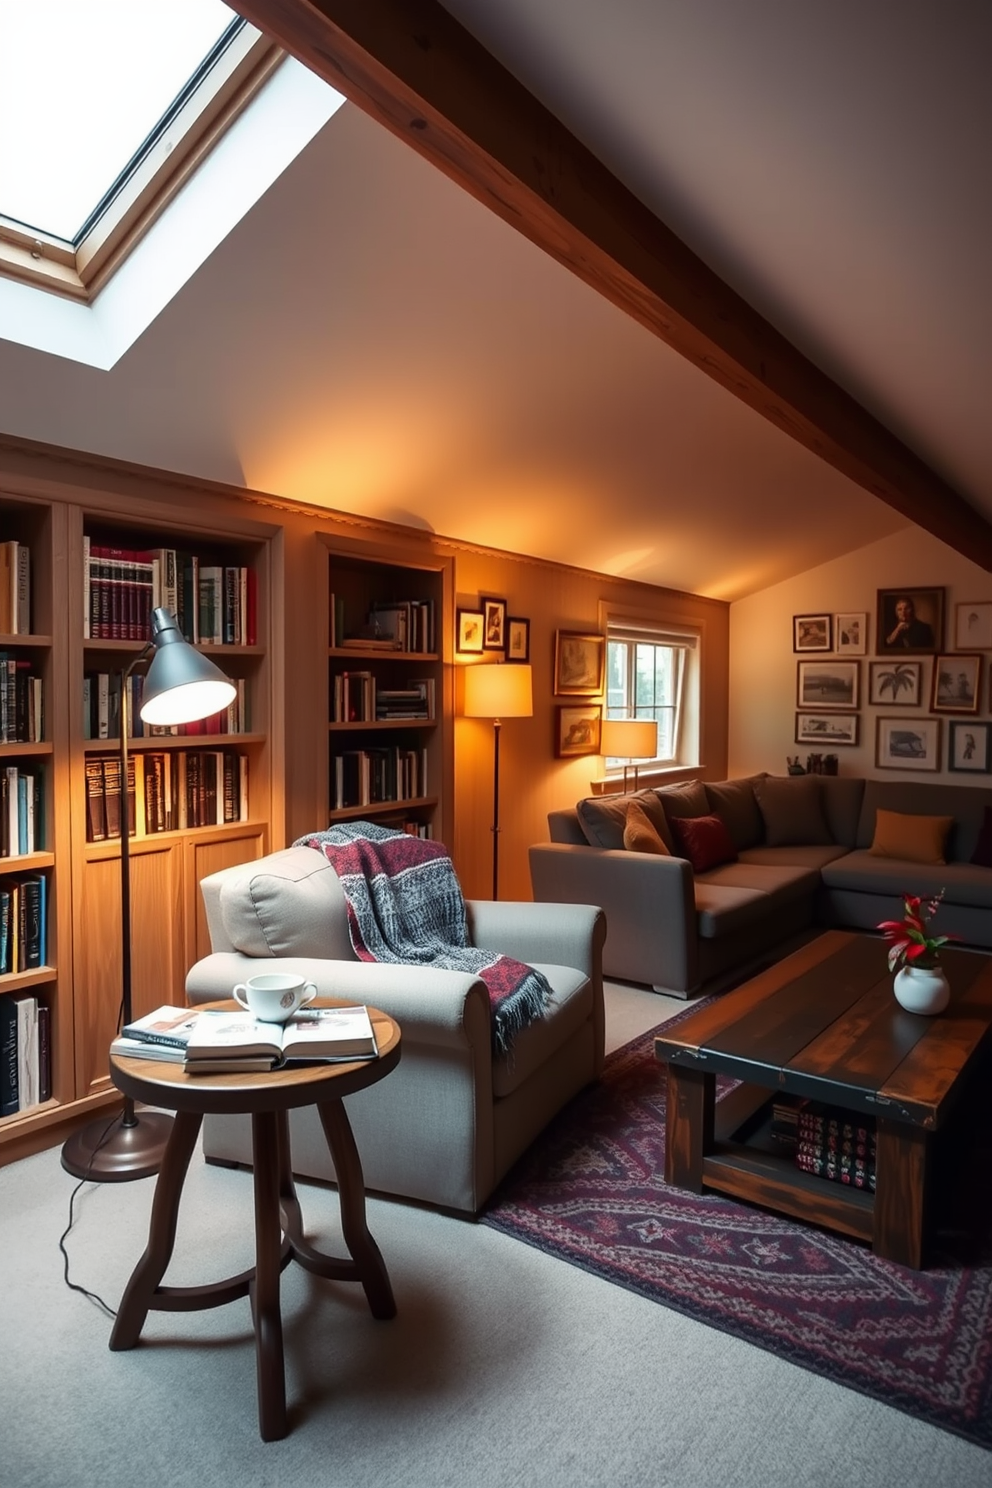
(568,935)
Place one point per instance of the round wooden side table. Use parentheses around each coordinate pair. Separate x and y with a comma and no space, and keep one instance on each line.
(268,1097)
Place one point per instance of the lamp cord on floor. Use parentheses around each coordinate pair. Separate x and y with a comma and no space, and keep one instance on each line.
(72,1285)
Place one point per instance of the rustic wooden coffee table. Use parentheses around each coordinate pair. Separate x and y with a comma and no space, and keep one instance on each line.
(824,1024)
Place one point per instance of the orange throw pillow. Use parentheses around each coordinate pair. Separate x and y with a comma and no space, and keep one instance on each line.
(915,839)
(640,833)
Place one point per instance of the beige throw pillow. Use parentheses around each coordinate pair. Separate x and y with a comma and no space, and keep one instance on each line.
(915,839)
(640,833)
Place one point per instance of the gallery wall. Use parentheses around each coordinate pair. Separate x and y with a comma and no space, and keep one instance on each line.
(763,671)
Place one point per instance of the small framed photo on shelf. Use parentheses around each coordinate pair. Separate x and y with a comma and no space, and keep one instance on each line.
(907,743)
(827,685)
(578,728)
(493,623)
(969,746)
(469,631)
(851,634)
(909,620)
(580,663)
(956,682)
(811,633)
(517,638)
(973,627)
(899,683)
(827,728)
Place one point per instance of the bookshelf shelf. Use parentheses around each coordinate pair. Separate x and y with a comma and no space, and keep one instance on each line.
(17,981)
(356,653)
(8,642)
(144,744)
(379,725)
(18,751)
(383,808)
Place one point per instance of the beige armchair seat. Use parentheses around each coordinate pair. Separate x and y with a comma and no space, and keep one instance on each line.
(453,1117)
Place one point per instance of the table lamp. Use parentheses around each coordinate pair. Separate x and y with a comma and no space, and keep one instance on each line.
(630,739)
(497,692)
(181,685)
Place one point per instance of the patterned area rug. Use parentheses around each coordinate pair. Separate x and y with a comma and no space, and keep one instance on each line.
(592,1192)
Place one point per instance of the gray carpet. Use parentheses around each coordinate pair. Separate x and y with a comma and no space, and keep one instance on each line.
(504,1366)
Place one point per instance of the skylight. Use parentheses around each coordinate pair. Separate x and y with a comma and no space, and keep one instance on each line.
(82,86)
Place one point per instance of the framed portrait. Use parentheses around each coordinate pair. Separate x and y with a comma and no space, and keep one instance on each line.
(909,620)
(973,627)
(468,631)
(969,746)
(899,683)
(827,728)
(493,623)
(811,633)
(578,727)
(955,685)
(517,638)
(851,633)
(826,685)
(907,743)
(580,663)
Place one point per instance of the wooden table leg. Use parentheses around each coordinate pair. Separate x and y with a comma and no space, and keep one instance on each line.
(264,1290)
(370,1267)
(139,1294)
(688,1125)
(902,1167)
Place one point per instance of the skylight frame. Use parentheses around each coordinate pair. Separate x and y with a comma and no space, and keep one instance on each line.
(236,68)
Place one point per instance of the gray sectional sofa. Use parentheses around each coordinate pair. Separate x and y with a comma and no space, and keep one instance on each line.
(798,854)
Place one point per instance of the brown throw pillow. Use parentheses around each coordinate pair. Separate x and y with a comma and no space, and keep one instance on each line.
(640,833)
(792,809)
(915,839)
(704,840)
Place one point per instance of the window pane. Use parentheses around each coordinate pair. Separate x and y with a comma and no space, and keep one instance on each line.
(616,678)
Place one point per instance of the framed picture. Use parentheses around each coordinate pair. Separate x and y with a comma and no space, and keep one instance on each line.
(493,623)
(827,684)
(897,682)
(468,631)
(909,620)
(851,634)
(973,627)
(827,728)
(580,662)
(907,743)
(969,746)
(578,729)
(517,638)
(811,633)
(956,680)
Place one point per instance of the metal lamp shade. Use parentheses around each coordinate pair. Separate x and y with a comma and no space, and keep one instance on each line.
(181,685)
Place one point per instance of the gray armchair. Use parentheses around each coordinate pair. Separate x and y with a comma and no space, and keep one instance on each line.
(453,1117)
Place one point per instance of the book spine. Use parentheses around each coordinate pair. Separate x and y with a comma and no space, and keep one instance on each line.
(31,901)
(8,1055)
(112,795)
(27,1053)
(44,1052)
(23,607)
(96,817)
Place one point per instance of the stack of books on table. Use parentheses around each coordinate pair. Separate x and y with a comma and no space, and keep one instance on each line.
(209,1042)
(835,1144)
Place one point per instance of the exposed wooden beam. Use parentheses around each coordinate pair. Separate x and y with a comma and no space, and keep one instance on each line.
(411,66)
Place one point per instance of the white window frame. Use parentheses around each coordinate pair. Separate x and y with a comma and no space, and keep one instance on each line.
(685,646)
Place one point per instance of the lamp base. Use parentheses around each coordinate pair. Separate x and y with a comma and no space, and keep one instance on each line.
(133,1148)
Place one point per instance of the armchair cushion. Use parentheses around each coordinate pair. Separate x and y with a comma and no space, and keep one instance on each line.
(287,904)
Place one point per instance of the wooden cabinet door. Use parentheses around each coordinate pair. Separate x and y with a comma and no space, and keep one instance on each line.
(205,854)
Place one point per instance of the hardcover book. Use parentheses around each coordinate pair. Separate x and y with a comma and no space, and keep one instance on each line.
(321,1034)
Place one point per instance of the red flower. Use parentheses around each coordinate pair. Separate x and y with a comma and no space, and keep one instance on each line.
(909,943)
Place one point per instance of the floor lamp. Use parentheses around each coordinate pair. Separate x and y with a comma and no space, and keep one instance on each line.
(498,692)
(630,739)
(181,685)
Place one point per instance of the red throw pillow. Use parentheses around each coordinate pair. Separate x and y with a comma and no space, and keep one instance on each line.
(704,840)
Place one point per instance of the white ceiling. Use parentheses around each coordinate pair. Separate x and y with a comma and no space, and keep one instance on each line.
(368,337)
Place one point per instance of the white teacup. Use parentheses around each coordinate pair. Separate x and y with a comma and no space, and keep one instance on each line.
(275,996)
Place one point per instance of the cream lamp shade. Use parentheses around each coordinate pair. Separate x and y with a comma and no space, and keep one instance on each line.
(630,738)
(501,691)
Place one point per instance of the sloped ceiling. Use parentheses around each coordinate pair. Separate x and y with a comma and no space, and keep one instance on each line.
(371,338)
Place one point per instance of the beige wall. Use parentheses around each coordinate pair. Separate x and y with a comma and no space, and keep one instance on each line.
(763,664)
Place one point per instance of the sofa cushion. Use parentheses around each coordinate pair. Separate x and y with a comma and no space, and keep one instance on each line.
(704,840)
(723,909)
(966,803)
(792,810)
(569,1006)
(785,880)
(841,797)
(640,834)
(795,857)
(733,801)
(603,818)
(983,847)
(915,839)
(861,872)
(684,800)
(291,904)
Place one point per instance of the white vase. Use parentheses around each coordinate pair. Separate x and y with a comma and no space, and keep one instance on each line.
(921,989)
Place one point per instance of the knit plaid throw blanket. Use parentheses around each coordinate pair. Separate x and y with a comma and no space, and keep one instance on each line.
(405,906)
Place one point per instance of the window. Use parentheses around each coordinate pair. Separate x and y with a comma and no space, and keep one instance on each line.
(646,676)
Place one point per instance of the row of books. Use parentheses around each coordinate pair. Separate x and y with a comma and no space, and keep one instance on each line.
(364,777)
(15,588)
(21,797)
(102,711)
(389,624)
(211,1041)
(826,1141)
(356,697)
(23,923)
(21,713)
(213,603)
(25,1053)
(168,791)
